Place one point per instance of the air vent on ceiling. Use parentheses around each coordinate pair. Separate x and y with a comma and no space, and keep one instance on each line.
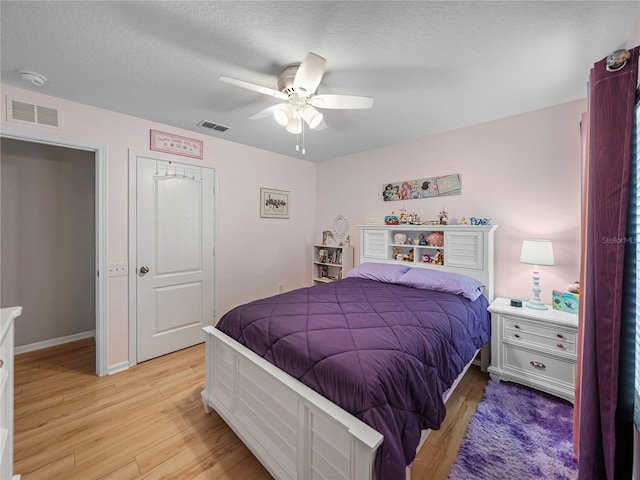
(25,112)
(213,126)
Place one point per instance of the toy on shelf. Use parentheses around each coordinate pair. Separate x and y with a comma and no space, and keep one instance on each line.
(426,258)
(400,238)
(409,257)
(436,239)
(443,217)
(404,216)
(391,219)
(422,240)
(438,258)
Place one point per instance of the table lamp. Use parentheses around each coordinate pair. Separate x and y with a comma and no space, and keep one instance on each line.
(536,252)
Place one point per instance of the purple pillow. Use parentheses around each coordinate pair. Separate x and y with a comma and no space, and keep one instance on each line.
(381,272)
(431,279)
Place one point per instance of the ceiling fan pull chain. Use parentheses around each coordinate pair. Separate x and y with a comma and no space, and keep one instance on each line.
(303,152)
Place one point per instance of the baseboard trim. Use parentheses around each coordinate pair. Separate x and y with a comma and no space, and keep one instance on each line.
(53,342)
(118,367)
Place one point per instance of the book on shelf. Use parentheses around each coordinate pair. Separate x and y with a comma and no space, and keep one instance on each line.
(323,255)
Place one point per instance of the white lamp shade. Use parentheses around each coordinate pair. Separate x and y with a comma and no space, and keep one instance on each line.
(283,114)
(294,125)
(312,116)
(537,252)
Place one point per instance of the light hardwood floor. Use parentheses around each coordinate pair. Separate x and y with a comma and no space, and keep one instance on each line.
(148,422)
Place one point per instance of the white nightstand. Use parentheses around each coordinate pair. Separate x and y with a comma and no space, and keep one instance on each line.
(534,347)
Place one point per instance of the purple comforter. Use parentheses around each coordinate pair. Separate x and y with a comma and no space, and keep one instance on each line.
(383,352)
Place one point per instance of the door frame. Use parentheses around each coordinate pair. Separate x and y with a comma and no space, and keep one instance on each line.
(133,240)
(101,202)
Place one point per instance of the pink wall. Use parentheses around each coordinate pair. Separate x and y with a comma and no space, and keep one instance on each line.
(523,172)
(254,255)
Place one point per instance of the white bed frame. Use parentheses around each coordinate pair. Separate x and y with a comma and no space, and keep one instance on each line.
(292,430)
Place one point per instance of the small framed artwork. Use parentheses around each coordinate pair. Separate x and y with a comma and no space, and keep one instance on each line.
(274,203)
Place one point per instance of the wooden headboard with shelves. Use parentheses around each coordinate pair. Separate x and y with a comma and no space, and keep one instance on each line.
(467,249)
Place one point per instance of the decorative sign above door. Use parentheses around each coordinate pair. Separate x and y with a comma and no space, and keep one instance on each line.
(423,188)
(176,144)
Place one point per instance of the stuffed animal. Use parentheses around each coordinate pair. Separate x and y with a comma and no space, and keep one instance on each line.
(436,239)
(574,288)
(438,258)
(409,257)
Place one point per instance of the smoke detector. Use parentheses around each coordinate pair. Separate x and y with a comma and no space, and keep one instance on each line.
(36,78)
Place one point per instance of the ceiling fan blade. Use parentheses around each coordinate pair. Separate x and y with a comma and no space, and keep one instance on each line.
(341,101)
(253,86)
(309,74)
(264,113)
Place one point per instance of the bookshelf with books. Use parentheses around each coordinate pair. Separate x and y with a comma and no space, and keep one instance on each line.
(330,262)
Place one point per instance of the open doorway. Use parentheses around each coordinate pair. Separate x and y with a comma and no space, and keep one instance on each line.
(51,246)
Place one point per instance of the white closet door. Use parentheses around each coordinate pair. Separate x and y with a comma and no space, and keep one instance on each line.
(175,255)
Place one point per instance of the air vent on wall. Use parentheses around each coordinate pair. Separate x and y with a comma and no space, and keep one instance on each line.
(213,126)
(25,112)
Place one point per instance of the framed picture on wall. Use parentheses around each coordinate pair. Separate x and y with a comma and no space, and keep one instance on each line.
(274,203)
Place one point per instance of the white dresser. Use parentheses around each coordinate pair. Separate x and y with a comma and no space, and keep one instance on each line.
(8,315)
(534,347)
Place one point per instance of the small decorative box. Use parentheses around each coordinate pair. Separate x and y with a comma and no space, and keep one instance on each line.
(565,301)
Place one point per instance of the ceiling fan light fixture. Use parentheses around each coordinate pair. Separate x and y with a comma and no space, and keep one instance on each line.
(294,125)
(283,114)
(312,116)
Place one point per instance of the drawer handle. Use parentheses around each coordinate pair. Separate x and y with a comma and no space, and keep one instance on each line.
(516,326)
(559,345)
(517,335)
(1,363)
(539,365)
(559,335)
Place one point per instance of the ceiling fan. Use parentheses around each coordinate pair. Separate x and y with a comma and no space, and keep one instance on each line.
(297,86)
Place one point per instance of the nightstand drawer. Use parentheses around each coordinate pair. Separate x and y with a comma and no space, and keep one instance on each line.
(547,330)
(555,344)
(539,364)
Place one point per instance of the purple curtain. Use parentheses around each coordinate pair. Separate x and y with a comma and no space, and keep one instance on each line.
(611,107)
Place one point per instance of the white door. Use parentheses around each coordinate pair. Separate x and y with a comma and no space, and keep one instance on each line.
(174,255)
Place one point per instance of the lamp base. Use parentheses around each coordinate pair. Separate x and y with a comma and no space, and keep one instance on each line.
(536,304)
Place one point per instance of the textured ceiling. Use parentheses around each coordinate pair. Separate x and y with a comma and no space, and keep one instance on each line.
(431,66)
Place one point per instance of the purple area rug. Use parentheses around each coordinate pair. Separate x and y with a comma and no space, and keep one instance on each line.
(517,433)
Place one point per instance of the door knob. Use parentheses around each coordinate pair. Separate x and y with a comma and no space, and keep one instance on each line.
(144,269)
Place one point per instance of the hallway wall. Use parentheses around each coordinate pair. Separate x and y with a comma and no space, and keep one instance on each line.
(47,239)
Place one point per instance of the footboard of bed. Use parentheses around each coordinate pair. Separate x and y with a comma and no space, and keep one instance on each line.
(292,430)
